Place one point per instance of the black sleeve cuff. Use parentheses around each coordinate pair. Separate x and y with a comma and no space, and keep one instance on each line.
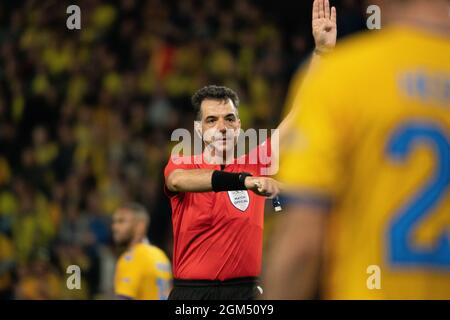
(228,181)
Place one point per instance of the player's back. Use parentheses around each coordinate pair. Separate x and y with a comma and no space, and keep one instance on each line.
(395,211)
(144,272)
(381,104)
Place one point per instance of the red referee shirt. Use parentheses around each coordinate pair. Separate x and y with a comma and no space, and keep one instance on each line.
(218,235)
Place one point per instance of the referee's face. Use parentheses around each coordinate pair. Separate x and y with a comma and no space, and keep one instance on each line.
(220,124)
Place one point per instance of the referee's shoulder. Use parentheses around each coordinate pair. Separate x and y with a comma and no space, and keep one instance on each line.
(184,159)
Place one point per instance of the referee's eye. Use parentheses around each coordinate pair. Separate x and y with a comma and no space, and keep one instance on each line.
(211,120)
(230,118)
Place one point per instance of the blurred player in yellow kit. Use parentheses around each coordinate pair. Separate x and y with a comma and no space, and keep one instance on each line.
(368,168)
(143,271)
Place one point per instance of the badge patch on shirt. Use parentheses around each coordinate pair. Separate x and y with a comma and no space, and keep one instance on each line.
(128,257)
(239,199)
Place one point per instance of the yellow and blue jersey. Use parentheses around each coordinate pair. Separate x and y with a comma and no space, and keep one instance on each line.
(373,137)
(143,273)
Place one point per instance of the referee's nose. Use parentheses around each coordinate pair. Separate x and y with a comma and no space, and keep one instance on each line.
(221,126)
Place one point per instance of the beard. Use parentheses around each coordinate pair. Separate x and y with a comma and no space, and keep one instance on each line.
(222,152)
(123,241)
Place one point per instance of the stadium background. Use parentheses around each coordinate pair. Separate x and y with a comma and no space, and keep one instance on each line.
(86,117)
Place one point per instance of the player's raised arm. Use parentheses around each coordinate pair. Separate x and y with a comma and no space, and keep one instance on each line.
(324,30)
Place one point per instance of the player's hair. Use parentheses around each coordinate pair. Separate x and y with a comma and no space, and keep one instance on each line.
(138,210)
(213,92)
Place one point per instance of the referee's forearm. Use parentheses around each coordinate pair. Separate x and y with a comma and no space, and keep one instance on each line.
(204,180)
(194,180)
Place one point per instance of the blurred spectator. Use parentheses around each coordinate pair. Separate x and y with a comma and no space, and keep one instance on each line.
(38,280)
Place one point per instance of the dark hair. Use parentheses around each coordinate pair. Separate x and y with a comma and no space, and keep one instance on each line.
(214,93)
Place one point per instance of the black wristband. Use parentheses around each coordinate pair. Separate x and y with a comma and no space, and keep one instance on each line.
(228,181)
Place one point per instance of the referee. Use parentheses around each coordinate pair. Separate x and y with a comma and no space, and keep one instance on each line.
(217,222)
(218,201)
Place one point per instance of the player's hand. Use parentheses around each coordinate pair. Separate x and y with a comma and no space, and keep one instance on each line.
(263,186)
(324,25)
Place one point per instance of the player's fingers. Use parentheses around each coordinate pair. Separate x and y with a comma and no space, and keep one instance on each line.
(333,14)
(315,13)
(321,9)
(326,9)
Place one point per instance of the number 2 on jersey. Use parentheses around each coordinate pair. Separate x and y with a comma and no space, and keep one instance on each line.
(401,251)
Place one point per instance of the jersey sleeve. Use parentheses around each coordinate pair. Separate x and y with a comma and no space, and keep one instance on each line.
(174,163)
(313,163)
(177,162)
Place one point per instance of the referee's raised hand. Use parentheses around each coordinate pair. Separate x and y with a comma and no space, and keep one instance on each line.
(324,25)
(263,186)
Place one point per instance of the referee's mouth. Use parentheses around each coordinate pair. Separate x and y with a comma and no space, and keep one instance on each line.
(226,141)
(223,140)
